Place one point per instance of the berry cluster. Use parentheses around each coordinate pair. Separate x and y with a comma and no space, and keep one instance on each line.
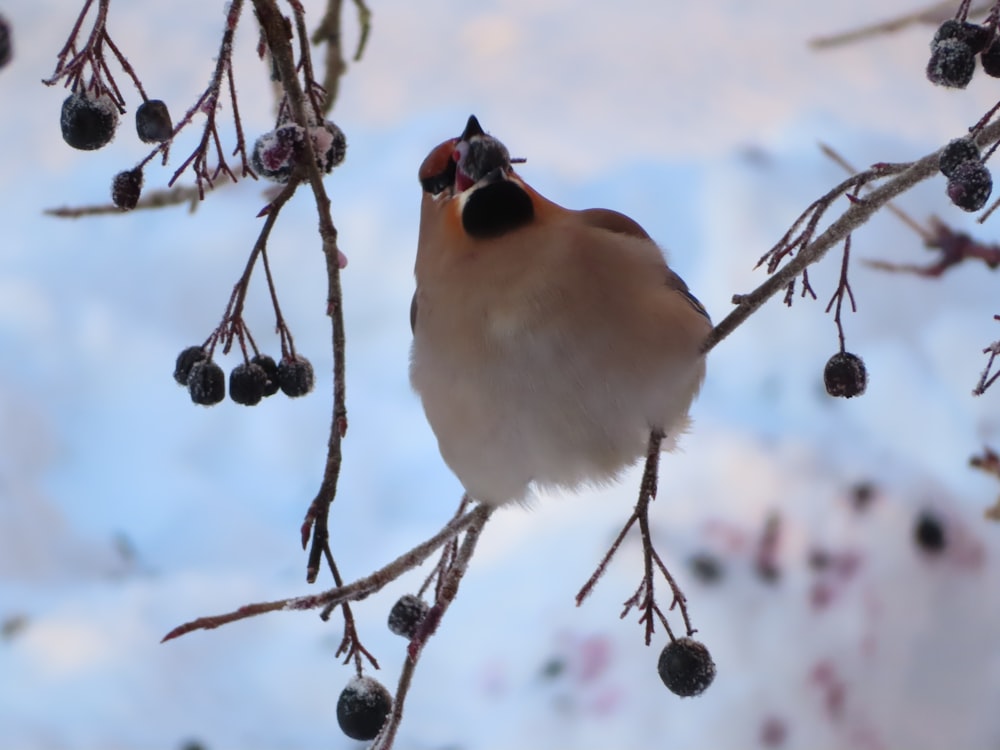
(249,382)
(89,122)
(954,49)
(278,152)
(969,181)
(845,376)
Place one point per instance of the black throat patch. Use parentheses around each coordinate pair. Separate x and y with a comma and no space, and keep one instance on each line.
(495,209)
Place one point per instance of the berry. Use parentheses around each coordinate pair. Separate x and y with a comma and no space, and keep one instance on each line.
(125,188)
(686,667)
(977,37)
(152,122)
(88,124)
(972,34)
(706,567)
(929,533)
(363,707)
(970,186)
(406,615)
(6,52)
(990,58)
(957,152)
(845,375)
(186,360)
(295,376)
(274,153)
(206,383)
(247,382)
(952,64)
(330,145)
(270,370)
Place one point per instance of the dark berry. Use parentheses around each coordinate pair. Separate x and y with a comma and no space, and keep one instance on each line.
(990,58)
(126,187)
(186,360)
(952,64)
(247,382)
(275,153)
(6,50)
(270,370)
(406,615)
(972,34)
(929,533)
(686,667)
(152,122)
(845,375)
(706,567)
(970,186)
(330,145)
(88,124)
(363,707)
(977,37)
(295,376)
(957,152)
(206,383)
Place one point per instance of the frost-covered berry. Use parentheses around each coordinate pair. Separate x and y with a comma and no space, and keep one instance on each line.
(270,370)
(974,35)
(88,124)
(295,376)
(970,186)
(957,152)
(206,383)
(126,187)
(186,360)
(686,667)
(845,375)
(952,64)
(152,121)
(990,58)
(247,382)
(929,533)
(274,153)
(363,707)
(6,50)
(406,615)
(330,145)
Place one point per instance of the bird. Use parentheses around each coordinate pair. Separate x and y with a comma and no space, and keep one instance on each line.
(548,343)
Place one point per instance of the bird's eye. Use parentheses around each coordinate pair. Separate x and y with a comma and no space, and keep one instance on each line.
(439,182)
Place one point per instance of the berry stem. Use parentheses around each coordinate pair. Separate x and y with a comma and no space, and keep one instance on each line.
(350,646)
(644,596)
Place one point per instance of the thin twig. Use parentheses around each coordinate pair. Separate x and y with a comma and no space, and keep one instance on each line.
(351,592)
(854,216)
(315,523)
(933,14)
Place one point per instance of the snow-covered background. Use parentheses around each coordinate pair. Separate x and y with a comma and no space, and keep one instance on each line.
(125,510)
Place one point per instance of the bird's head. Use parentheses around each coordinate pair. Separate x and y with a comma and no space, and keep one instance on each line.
(475,168)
